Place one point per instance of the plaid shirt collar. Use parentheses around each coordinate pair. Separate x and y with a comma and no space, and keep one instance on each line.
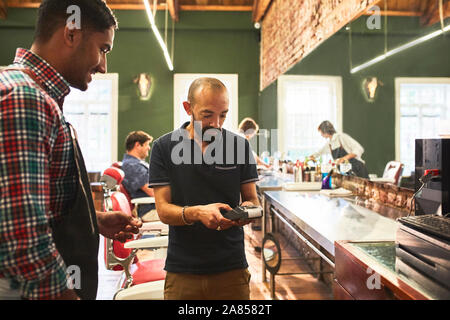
(54,83)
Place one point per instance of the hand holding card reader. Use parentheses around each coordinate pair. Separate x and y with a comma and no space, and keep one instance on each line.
(243,213)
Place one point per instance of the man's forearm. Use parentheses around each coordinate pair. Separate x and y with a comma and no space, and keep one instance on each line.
(148,191)
(254,200)
(171,214)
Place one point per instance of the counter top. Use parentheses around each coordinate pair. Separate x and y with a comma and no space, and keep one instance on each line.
(327,220)
(381,258)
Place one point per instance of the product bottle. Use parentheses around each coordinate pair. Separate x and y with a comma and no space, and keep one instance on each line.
(300,172)
(318,172)
(326,182)
(326,167)
(284,168)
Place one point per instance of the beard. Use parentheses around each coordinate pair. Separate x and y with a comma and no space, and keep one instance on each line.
(211,133)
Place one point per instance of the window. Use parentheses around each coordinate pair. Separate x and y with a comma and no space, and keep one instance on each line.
(93,114)
(303,103)
(182,81)
(422,105)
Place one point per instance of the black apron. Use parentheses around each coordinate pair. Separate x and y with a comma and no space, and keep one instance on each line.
(358,167)
(76,233)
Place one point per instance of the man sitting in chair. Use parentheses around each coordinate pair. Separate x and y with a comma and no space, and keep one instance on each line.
(136,168)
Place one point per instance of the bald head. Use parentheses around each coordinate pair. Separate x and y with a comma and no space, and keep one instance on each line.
(204,83)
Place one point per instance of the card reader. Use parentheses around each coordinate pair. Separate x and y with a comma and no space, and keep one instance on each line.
(243,213)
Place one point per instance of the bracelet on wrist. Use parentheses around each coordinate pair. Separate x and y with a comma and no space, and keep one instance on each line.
(184,218)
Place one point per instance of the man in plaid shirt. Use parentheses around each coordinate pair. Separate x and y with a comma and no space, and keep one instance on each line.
(38,175)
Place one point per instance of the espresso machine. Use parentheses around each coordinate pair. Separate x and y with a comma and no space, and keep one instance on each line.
(433,161)
(423,239)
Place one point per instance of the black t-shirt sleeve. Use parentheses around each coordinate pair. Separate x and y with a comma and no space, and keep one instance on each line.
(249,172)
(159,172)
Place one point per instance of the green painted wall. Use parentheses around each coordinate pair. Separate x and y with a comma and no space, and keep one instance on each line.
(372,124)
(213,42)
(210,42)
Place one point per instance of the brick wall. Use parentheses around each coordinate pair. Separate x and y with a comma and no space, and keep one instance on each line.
(291,29)
(378,196)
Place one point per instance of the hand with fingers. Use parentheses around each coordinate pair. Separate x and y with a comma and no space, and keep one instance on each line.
(211,217)
(117,225)
(242,223)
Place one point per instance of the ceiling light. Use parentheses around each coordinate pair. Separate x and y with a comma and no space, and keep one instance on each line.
(151,19)
(399,49)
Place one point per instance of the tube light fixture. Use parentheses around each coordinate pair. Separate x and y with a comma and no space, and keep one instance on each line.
(151,19)
(401,48)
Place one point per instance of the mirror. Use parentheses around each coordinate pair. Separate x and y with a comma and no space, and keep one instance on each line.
(382,79)
(271,251)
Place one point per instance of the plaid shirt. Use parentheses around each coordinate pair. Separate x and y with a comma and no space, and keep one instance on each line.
(37,176)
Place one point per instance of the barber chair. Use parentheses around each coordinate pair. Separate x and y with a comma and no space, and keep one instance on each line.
(392,173)
(134,203)
(141,280)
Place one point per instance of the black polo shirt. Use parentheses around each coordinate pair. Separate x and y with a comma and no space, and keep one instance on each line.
(200,179)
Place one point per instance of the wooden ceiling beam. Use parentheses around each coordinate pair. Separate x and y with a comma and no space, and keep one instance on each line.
(397,13)
(174,8)
(125,6)
(115,6)
(3,9)
(214,8)
(259,9)
(432,15)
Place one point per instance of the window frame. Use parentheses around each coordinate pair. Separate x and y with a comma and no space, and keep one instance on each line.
(281,97)
(114,77)
(407,80)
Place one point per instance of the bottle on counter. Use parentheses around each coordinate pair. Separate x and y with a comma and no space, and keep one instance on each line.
(284,168)
(298,172)
(326,182)
(306,174)
(326,169)
(276,164)
(265,156)
(312,174)
(318,172)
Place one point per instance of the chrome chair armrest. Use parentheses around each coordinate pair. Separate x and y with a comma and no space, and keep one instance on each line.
(146,291)
(148,243)
(146,200)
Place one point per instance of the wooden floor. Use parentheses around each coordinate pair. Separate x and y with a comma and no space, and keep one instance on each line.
(288,287)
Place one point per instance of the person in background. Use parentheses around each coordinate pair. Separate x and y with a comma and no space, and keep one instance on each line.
(48,220)
(249,128)
(342,147)
(206,255)
(136,169)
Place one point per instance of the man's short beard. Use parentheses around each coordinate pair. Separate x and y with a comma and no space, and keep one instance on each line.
(204,129)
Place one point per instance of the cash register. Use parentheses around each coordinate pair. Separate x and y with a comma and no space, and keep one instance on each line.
(423,237)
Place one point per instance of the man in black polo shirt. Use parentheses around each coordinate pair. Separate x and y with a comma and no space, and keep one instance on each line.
(196,171)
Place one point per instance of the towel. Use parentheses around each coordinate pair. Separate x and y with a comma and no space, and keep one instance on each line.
(341,192)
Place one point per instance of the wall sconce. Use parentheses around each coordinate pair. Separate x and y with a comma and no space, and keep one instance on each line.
(370,88)
(144,84)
